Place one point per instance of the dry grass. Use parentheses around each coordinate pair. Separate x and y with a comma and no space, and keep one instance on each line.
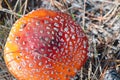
(98,18)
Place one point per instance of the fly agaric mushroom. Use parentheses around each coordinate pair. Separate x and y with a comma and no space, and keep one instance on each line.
(45,45)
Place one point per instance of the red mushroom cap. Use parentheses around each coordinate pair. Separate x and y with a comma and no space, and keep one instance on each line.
(45,45)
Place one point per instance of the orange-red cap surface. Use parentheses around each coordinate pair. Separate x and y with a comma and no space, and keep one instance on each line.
(45,45)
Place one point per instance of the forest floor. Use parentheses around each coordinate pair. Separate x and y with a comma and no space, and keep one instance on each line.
(100,20)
